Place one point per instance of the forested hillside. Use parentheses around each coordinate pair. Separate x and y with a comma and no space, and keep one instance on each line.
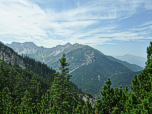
(89,67)
(22,93)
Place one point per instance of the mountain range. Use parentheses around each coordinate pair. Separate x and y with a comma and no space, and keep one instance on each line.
(89,67)
(132,59)
(32,70)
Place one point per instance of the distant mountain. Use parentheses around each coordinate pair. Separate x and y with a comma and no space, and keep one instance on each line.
(43,73)
(89,67)
(140,61)
(133,67)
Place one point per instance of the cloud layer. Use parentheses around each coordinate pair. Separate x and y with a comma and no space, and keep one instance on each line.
(85,22)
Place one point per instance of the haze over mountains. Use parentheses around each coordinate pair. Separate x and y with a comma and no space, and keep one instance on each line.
(132,59)
(89,67)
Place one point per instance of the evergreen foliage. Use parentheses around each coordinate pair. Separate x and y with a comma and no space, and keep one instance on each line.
(62,94)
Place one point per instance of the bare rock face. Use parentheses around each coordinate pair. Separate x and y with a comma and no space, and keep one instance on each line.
(92,101)
(8,55)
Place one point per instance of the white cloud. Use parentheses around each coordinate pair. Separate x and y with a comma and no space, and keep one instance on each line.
(25,20)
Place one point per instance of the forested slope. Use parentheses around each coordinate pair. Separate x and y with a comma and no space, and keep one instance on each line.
(59,98)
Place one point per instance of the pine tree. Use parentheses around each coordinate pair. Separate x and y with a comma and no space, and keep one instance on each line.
(97,106)
(5,102)
(131,103)
(26,105)
(3,77)
(87,108)
(143,84)
(34,89)
(38,95)
(12,82)
(61,89)
(107,97)
(5,98)
(20,87)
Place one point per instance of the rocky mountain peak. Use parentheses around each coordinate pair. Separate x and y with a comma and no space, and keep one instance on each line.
(68,44)
(29,43)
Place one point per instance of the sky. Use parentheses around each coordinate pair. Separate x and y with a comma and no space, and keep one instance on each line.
(114,27)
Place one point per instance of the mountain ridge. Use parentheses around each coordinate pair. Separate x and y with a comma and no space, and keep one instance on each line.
(84,58)
(132,59)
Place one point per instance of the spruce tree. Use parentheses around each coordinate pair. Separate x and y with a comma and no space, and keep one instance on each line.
(12,81)
(61,90)
(3,78)
(107,97)
(6,106)
(26,105)
(20,87)
(5,98)
(34,89)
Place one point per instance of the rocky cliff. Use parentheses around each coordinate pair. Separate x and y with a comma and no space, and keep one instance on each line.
(9,55)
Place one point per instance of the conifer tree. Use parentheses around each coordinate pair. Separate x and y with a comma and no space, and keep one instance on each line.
(87,108)
(33,88)
(3,78)
(5,102)
(143,84)
(97,106)
(5,98)
(122,100)
(61,89)
(47,103)
(107,97)
(20,87)
(12,81)
(26,105)
(131,103)
(38,94)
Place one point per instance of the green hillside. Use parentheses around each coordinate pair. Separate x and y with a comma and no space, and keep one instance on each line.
(86,76)
(24,92)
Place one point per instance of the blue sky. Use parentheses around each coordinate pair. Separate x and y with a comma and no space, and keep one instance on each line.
(114,27)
